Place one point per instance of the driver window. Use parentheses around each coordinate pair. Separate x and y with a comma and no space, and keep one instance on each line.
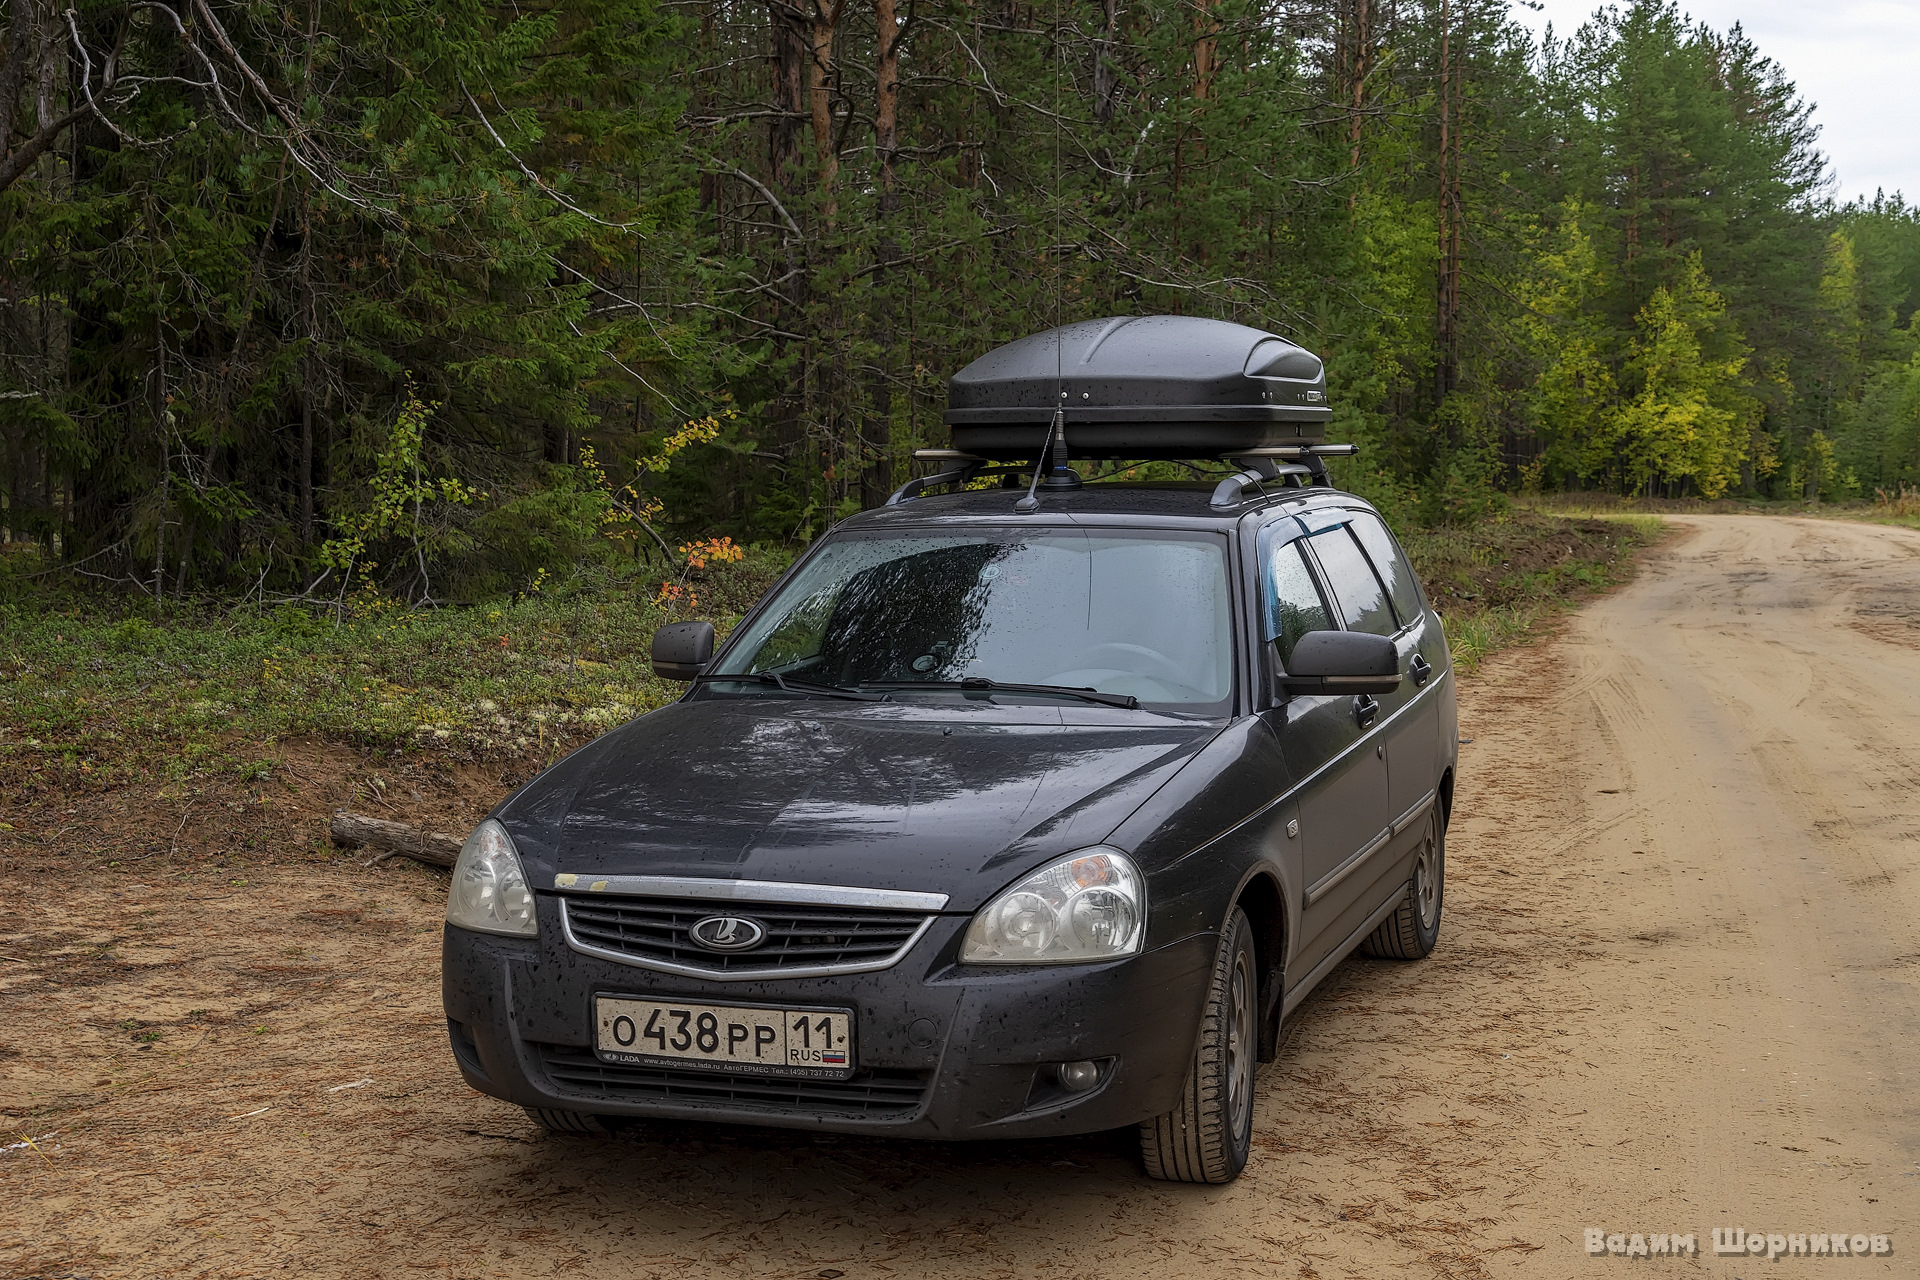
(1294,606)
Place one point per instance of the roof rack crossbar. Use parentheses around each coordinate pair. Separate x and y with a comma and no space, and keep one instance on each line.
(920,484)
(1300,451)
(1228,492)
(969,470)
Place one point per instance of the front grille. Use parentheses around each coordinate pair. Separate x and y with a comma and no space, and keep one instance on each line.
(576,1073)
(654,933)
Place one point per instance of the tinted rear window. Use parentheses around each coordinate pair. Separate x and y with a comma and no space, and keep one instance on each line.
(1361,599)
(1391,565)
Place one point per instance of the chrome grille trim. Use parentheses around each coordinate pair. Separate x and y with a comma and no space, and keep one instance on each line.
(822,895)
(657,964)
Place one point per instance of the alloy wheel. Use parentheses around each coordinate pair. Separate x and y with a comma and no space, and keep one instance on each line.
(1426,884)
(1240,1046)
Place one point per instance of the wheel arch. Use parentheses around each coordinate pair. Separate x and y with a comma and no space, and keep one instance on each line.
(1261,898)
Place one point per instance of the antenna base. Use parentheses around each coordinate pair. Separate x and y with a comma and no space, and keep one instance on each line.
(1061,478)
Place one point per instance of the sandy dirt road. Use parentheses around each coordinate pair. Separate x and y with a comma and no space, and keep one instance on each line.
(1678,990)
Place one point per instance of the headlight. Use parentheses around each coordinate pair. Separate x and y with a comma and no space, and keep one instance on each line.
(1090,906)
(490,891)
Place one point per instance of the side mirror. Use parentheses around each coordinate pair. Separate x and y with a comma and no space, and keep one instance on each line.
(681,649)
(1342,662)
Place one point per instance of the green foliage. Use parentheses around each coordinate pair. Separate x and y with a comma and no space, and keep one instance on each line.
(397,500)
(1572,347)
(1687,408)
(444,310)
(1881,434)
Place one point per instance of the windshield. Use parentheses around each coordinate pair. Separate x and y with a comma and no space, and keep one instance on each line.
(1123,613)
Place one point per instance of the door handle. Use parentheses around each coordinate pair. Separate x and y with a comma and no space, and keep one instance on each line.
(1420,669)
(1365,708)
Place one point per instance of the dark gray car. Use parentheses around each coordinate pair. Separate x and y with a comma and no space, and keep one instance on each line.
(982,824)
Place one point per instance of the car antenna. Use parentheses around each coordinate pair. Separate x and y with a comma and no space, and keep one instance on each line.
(1031,503)
(1057,427)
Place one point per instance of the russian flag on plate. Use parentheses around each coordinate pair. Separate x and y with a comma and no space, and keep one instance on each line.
(833,1057)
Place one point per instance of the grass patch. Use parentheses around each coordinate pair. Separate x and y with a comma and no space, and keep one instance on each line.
(1900,508)
(1501,581)
(97,684)
(1896,507)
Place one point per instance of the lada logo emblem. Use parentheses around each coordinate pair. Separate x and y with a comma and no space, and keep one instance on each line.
(728,933)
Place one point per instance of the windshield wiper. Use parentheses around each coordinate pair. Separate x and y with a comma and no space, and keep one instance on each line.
(779,682)
(1123,700)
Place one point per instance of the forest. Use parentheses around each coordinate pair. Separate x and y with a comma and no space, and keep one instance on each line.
(438,299)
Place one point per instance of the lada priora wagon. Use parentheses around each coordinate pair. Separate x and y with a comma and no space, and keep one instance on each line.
(984,823)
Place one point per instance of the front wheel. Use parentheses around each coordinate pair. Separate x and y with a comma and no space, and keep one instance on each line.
(1208,1136)
(1414,927)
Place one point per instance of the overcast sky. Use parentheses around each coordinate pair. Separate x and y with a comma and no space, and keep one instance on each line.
(1858,60)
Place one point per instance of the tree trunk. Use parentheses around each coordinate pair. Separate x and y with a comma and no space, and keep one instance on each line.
(1357,68)
(158,377)
(435,848)
(788,67)
(1447,308)
(1205,52)
(823,26)
(307,314)
(876,481)
(788,72)
(13,72)
(1106,84)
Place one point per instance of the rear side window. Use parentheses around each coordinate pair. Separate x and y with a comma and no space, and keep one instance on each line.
(1390,564)
(1361,599)
(1294,606)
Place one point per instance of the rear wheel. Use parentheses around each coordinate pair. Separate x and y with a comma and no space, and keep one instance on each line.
(1208,1136)
(1414,927)
(570,1124)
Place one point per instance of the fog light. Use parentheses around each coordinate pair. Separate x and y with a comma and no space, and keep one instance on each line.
(1077,1077)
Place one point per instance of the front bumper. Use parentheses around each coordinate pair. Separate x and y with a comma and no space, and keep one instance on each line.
(943,1051)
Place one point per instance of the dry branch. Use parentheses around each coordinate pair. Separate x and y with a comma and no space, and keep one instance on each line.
(435,848)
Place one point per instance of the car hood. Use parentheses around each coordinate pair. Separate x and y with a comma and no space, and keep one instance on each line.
(948,798)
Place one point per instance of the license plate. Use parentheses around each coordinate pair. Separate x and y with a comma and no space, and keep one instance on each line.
(817,1043)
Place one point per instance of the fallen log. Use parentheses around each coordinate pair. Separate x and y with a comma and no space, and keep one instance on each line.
(435,848)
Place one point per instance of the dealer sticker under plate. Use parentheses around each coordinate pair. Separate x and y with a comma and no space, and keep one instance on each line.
(817,1043)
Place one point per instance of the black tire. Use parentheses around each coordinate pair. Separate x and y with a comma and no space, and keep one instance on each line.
(570,1124)
(1414,927)
(1208,1136)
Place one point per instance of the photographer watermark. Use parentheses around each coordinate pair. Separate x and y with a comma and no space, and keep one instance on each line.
(1637,1245)
(1729,1241)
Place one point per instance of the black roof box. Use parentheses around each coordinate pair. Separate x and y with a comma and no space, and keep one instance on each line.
(1141,387)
